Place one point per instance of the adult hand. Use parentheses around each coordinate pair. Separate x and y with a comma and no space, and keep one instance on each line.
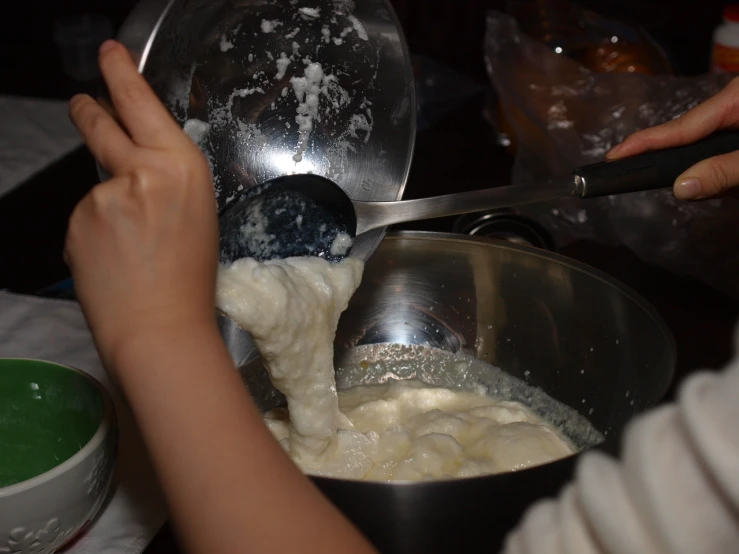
(708,178)
(142,246)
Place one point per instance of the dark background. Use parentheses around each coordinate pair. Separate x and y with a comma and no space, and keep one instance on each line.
(449,31)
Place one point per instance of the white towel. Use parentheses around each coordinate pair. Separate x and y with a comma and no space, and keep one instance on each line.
(55,330)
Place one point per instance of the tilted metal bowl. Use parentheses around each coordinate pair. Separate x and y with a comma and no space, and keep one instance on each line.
(581,336)
(216,61)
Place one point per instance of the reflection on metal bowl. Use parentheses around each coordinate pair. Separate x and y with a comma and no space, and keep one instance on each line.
(580,336)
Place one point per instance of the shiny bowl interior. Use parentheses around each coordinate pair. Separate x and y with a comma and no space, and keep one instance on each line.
(216,61)
(577,334)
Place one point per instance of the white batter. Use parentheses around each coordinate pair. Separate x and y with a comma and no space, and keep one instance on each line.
(402,430)
(415,432)
(291,308)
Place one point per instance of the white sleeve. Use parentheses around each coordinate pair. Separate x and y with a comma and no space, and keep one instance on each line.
(674,491)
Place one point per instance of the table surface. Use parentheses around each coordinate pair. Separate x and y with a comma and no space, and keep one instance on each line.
(33,221)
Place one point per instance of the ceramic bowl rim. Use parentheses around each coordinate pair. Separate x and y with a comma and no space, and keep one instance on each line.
(106,426)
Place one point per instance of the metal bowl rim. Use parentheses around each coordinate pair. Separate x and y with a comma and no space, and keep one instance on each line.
(602,276)
(628,292)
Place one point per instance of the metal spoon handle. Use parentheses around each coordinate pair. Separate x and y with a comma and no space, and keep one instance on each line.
(371,215)
(648,171)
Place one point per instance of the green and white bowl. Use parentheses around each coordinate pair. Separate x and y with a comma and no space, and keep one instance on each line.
(58,445)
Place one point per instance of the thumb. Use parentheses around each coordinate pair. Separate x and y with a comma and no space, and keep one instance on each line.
(709,178)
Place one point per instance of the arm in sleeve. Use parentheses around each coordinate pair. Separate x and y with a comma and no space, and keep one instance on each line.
(674,491)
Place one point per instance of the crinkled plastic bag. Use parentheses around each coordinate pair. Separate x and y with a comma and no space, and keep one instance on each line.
(561,115)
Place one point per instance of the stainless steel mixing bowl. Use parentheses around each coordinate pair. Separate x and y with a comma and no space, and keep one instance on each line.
(582,337)
(216,61)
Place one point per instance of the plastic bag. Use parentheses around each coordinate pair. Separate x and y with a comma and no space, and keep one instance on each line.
(560,115)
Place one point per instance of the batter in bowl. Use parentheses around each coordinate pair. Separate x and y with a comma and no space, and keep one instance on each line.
(416,432)
(399,430)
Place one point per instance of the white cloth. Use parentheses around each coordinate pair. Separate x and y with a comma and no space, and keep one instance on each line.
(33,134)
(675,489)
(55,330)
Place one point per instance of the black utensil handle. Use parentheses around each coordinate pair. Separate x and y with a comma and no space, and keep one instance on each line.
(651,170)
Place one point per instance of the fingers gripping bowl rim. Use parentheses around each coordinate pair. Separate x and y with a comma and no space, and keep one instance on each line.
(56,406)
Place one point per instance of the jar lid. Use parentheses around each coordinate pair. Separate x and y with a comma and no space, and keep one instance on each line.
(731,13)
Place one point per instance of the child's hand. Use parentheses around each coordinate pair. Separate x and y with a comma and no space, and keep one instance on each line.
(143,246)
